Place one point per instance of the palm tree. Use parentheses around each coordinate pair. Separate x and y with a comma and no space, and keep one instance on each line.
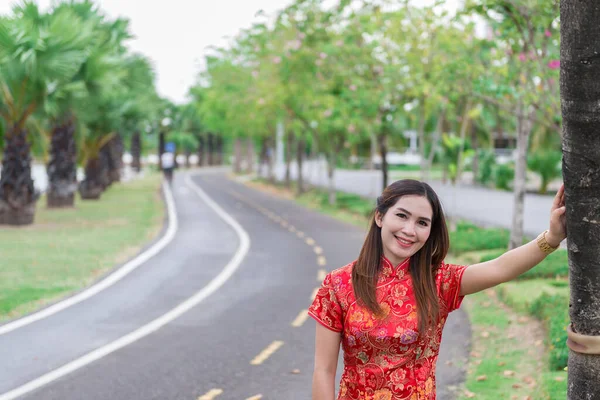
(38,53)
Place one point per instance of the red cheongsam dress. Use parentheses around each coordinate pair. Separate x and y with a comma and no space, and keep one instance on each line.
(386,358)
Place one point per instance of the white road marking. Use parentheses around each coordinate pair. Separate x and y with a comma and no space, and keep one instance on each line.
(310,241)
(159,322)
(257,397)
(211,394)
(322,261)
(267,352)
(109,280)
(300,319)
(318,250)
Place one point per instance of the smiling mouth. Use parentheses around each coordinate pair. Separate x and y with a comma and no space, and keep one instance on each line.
(404,242)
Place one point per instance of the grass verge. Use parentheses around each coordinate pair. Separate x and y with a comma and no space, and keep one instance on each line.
(68,249)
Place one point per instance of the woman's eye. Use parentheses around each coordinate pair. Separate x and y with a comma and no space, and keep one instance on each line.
(423,223)
(401,215)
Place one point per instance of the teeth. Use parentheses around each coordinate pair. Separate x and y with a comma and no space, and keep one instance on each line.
(404,241)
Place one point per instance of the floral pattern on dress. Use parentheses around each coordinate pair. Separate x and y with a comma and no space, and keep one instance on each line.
(386,357)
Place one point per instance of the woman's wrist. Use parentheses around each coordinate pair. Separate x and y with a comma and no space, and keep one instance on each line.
(552,240)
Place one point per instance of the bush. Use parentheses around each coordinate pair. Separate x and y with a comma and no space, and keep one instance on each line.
(553,266)
(472,239)
(553,310)
(504,174)
(487,160)
(547,164)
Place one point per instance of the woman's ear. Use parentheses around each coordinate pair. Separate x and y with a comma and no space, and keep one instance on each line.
(378,218)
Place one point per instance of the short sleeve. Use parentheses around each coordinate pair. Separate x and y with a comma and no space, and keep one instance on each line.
(451,278)
(326,308)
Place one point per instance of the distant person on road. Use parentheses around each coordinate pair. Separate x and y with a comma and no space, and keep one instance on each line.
(167,160)
(388,308)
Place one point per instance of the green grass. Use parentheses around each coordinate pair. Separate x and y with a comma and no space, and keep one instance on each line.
(475,239)
(66,250)
(349,207)
(496,353)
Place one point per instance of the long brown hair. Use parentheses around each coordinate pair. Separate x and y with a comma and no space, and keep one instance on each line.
(423,264)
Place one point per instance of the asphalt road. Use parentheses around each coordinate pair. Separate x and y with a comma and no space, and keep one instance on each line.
(250,339)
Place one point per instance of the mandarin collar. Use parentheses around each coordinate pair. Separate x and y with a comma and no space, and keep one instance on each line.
(388,269)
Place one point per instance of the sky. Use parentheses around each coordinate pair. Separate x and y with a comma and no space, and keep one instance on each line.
(175,34)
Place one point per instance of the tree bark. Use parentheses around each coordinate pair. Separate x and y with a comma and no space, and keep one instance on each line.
(161,146)
(92,186)
(523,130)
(249,156)
(17,192)
(373,152)
(580,100)
(211,149)
(475,144)
(331,176)
(421,132)
(289,139)
(62,167)
(237,151)
(136,152)
(299,158)
(382,141)
(463,133)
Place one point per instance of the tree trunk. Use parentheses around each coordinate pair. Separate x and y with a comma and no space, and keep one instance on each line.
(249,156)
(92,186)
(421,132)
(200,150)
(136,152)
(289,141)
(580,95)
(210,149)
(331,175)
(271,160)
(299,158)
(475,143)
(115,153)
(523,130)
(237,160)
(373,152)
(463,133)
(434,143)
(17,192)
(382,141)
(161,146)
(62,167)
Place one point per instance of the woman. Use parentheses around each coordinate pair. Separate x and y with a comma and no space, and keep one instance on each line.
(388,308)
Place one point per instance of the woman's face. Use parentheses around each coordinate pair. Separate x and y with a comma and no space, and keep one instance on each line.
(405,227)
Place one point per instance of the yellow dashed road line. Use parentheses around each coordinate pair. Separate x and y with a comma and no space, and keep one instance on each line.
(300,234)
(300,319)
(257,397)
(321,275)
(292,229)
(310,241)
(322,261)
(266,353)
(213,393)
(314,293)
(318,250)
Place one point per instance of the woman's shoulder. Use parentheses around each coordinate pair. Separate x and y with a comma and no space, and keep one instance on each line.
(341,275)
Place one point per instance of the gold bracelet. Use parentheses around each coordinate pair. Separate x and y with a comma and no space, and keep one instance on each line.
(543,244)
